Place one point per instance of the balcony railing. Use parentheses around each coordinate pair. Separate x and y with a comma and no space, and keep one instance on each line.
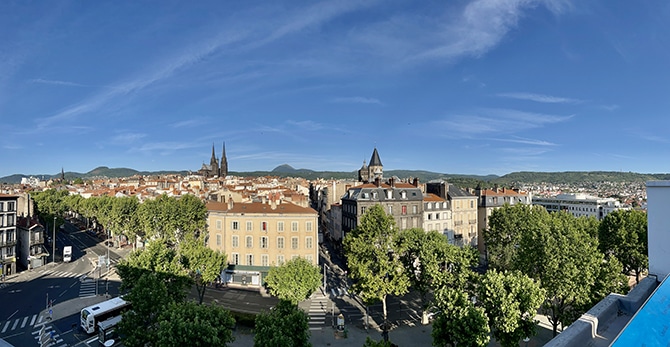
(8,243)
(472,221)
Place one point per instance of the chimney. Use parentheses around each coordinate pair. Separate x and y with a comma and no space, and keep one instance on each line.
(230,202)
(378,182)
(392,182)
(415,182)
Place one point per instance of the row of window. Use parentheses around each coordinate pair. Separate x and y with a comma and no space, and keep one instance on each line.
(264,226)
(265,259)
(264,242)
(11,206)
(7,220)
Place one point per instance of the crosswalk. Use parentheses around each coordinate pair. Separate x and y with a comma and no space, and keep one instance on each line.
(49,336)
(62,274)
(87,287)
(20,323)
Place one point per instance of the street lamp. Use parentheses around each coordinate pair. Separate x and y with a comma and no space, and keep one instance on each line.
(53,244)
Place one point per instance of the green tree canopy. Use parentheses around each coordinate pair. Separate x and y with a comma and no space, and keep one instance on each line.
(286,325)
(623,235)
(204,264)
(458,322)
(294,280)
(190,324)
(373,251)
(510,301)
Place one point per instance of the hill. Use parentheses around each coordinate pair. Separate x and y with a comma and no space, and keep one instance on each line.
(570,177)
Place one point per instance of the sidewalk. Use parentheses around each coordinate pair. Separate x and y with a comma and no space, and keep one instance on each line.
(68,308)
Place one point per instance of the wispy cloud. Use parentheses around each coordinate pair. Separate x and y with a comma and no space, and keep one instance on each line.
(610,107)
(189,123)
(57,82)
(482,25)
(357,100)
(540,98)
(306,125)
(165,147)
(127,138)
(500,121)
(525,141)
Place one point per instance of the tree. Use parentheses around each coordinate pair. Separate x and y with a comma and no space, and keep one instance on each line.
(564,258)
(372,343)
(149,297)
(50,203)
(373,255)
(623,234)
(161,260)
(294,280)
(430,262)
(506,227)
(190,324)
(286,325)
(203,263)
(458,322)
(510,301)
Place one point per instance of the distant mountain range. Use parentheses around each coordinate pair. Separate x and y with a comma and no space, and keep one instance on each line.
(424,176)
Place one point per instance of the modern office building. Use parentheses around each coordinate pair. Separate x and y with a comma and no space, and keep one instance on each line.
(580,205)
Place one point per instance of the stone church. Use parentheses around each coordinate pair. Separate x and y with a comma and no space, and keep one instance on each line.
(368,173)
(214,169)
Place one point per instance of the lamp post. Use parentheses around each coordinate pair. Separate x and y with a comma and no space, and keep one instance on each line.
(53,244)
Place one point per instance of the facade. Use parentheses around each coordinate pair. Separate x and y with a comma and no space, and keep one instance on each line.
(8,234)
(257,235)
(214,169)
(437,216)
(31,251)
(579,205)
(461,217)
(491,199)
(401,200)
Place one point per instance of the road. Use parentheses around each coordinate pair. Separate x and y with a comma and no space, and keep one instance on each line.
(25,295)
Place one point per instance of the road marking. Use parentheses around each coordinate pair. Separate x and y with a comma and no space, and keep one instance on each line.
(23,324)
(40,320)
(32,321)
(5,328)
(12,315)
(16,323)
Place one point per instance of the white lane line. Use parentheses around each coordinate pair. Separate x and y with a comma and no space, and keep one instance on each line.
(5,328)
(23,324)
(32,321)
(16,323)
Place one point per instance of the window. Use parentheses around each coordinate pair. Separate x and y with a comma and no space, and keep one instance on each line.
(235,225)
(250,226)
(430,216)
(280,226)
(391,210)
(2,206)
(264,242)
(250,241)
(414,209)
(294,226)
(10,220)
(309,242)
(265,260)
(280,259)
(403,223)
(250,259)
(309,258)
(404,209)
(11,206)
(403,194)
(236,258)
(280,242)
(294,242)
(472,204)
(264,226)
(218,225)
(218,239)
(236,241)
(308,226)
(363,210)
(437,216)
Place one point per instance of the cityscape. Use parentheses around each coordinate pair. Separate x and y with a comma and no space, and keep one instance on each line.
(263,222)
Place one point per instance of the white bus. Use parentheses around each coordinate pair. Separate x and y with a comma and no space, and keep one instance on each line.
(93,314)
(107,331)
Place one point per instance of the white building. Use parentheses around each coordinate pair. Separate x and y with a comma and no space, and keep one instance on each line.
(658,224)
(580,205)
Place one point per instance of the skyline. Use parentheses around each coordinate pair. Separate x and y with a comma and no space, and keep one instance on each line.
(470,87)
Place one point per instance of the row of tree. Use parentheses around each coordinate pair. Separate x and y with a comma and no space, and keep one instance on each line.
(557,264)
(167,218)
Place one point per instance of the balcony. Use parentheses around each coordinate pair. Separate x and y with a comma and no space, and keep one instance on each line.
(472,221)
(7,243)
(458,223)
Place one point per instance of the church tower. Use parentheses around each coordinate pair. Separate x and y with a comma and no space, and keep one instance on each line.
(213,163)
(223,171)
(376,169)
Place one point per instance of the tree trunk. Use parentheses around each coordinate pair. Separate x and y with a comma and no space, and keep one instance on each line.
(637,276)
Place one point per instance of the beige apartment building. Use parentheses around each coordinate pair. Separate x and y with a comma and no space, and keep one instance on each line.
(258,235)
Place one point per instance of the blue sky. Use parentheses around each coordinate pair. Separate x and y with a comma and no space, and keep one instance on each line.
(472,87)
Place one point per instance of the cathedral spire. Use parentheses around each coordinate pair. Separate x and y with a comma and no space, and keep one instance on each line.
(223,171)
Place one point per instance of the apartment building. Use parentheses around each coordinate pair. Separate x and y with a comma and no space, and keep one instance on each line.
(437,216)
(462,212)
(258,235)
(403,201)
(31,250)
(8,233)
(580,205)
(491,199)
